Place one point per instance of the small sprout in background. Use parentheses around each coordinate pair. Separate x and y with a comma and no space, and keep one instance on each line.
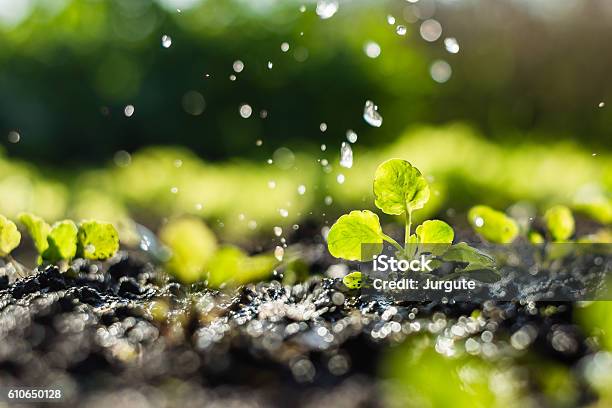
(62,242)
(192,245)
(230,267)
(492,225)
(38,230)
(97,240)
(535,238)
(353,280)
(9,236)
(560,222)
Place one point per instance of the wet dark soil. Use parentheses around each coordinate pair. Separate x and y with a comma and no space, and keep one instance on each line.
(124,334)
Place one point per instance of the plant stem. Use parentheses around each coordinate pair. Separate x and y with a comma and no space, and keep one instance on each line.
(408,225)
(393,242)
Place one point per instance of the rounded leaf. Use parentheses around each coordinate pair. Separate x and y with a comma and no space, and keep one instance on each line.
(353,232)
(38,230)
(560,222)
(399,187)
(97,240)
(192,245)
(435,236)
(62,242)
(494,226)
(9,236)
(353,280)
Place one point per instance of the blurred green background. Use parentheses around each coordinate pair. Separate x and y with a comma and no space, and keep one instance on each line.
(496,102)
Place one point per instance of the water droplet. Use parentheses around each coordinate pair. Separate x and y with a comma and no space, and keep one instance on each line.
(270,161)
(166,41)
(279,252)
(238,66)
(246,110)
(199,206)
(371,115)
(340,178)
(14,136)
(440,71)
(323,127)
(174,190)
(601,104)
(451,45)
(324,162)
(401,30)
(232,77)
(283,212)
(479,221)
(301,189)
(371,49)
(284,47)
(178,163)
(328,200)
(193,103)
(594,154)
(271,184)
(351,136)
(302,8)
(122,158)
(128,110)
(326,9)
(323,147)
(284,158)
(278,231)
(346,155)
(252,224)
(430,30)
(390,19)
(258,142)
(270,65)
(263,114)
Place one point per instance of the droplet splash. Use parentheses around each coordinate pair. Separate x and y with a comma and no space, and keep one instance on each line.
(371,115)
(346,155)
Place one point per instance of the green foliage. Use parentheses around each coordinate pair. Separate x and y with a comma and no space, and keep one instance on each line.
(353,280)
(353,232)
(560,222)
(230,267)
(494,226)
(62,242)
(38,230)
(192,246)
(399,188)
(9,236)
(97,240)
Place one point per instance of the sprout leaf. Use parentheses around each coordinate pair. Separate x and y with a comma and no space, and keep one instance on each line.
(353,280)
(62,242)
(97,240)
(435,236)
(9,236)
(560,222)
(494,226)
(351,232)
(399,187)
(38,230)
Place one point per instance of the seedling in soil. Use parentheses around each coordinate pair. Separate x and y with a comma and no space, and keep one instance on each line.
(63,241)
(493,225)
(9,240)
(399,189)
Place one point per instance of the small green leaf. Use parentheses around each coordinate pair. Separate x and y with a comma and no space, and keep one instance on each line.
(97,240)
(399,187)
(535,237)
(9,236)
(353,280)
(464,253)
(354,231)
(560,222)
(62,242)
(494,226)
(230,266)
(435,236)
(38,230)
(192,245)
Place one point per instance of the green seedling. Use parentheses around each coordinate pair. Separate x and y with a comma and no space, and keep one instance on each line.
(63,241)
(493,225)
(9,240)
(399,189)
(559,222)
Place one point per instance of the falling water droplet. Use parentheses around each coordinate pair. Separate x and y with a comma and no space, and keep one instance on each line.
(258,142)
(390,19)
(301,189)
(238,66)
(278,231)
(371,115)
(174,190)
(302,8)
(340,178)
(128,110)
(166,41)
(430,30)
(346,155)
(401,30)
(351,136)
(279,252)
(283,212)
(329,200)
(14,136)
(232,77)
(440,71)
(284,47)
(245,110)
(323,147)
(326,9)
(479,221)
(323,127)
(371,49)
(451,45)
(271,184)
(270,65)
(178,163)
(601,104)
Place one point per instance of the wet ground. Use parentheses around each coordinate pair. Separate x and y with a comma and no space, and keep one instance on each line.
(123,334)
